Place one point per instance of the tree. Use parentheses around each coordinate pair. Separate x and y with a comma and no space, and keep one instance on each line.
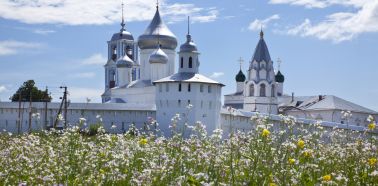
(29,89)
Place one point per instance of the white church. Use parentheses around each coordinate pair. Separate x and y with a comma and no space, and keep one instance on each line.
(148,78)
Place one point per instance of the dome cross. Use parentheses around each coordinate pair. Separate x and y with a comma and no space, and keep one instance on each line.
(241,60)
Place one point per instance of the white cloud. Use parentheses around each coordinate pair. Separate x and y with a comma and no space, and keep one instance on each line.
(321,3)
(10,47)
(3,89)
(257,24)
(74,12)
(341,26)
(43,32)
(80,94)
(179,12)
(212,16)
(217,74)
(95,59)
(83,75)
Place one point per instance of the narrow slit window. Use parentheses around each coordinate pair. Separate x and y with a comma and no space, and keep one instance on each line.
(190,62)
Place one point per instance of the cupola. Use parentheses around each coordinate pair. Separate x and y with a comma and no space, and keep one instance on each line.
(240,77)
(157,30)
(158,56)
(125,62)
(279,77)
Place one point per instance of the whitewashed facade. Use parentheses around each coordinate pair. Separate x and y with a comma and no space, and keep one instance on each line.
(117,114)
(132,82)
(188,93)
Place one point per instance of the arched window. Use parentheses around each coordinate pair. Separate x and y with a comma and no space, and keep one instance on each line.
(251,90)
(179,103)
(129,52)
(182,62)
(201,88)
(273,91)
(114,53)
(190,62)
(189,87)
(262,90)
(167,87)
(179,87)
(209,89)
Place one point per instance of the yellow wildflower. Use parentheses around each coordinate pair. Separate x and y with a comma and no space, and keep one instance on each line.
(371,126)
(372,161)
(291,160)
(327,177)
(143,141)
(300,144)
(306,153)
(265,133)
(272,184)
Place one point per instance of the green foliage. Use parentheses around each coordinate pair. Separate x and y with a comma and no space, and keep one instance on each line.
(29,89)
(93,129)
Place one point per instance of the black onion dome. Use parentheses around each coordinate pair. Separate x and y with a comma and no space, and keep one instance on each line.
(240,77)
(279,77)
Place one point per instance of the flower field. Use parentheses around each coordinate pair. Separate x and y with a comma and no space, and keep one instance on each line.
(288,154)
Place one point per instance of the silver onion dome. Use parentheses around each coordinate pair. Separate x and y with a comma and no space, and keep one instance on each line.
(124,62)
(123,34)
(158,56)
(157,30)
(189,45)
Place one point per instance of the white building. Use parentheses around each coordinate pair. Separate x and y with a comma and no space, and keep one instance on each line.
(132,82)
(188,93)
(263,92)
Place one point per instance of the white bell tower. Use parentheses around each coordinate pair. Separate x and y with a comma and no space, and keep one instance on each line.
(260,90)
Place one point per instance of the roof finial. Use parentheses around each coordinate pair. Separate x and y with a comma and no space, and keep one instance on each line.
(240,62)
(188,36)
(188,25)
(157,4)
(123,20)
(261,32)
(279,63)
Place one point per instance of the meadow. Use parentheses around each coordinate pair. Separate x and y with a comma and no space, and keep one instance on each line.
(293,154)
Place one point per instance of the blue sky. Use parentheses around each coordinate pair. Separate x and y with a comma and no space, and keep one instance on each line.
(326,46)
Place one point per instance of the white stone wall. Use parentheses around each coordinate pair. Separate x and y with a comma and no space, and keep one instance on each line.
(206,105)
(144,96)
(357,118)
(241,121)
(118,114)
